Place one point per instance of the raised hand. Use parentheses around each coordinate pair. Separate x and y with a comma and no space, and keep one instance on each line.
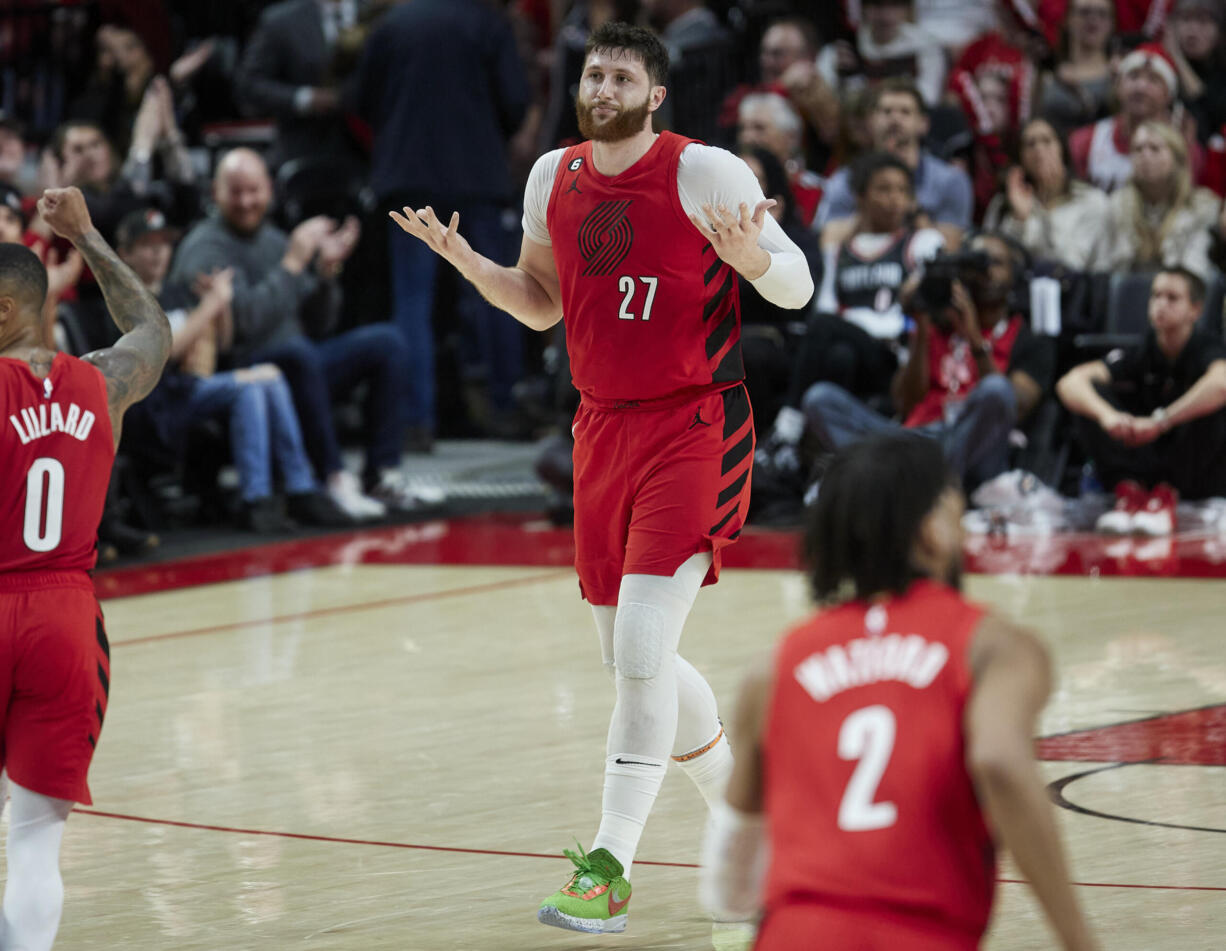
(1020,194)
(735,238)
(304,241)
(335,248)
(61,275)
(64,211)
(444,240)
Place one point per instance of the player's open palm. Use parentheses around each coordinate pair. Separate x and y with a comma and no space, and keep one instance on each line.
(444,240)
(735,236)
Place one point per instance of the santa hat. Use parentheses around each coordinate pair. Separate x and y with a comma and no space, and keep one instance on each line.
(1153,56)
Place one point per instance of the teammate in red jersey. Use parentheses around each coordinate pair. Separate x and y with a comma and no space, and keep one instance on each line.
(59,426)
(634,237)
(890,733)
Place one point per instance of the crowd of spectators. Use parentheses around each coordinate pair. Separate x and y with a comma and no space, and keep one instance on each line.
(985,190)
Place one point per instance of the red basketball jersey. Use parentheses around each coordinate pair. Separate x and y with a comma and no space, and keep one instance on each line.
(868,800)
(57,447)
(650,309)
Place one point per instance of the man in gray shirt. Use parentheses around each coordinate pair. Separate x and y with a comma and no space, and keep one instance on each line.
(897,123)
(284,287)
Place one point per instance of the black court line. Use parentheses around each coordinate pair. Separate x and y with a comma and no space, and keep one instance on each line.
(1056,791)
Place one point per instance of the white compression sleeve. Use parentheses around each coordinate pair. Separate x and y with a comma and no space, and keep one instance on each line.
(34,893)
(734,861)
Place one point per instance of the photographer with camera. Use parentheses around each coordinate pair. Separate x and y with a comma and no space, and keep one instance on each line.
(973,370)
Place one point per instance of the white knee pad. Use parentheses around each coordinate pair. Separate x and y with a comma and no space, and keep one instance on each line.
(639,640)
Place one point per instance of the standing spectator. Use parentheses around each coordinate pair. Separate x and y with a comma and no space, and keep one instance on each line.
(1046,210)
(1194,41)
(283,286)
(286,72)
(1159,219)
(1151,418)
(1077,90)
(898,122)
(787,64)
(768,119)
(429,62)
(887,44)
(122,72)
(859,808)
(254,401)
(1146,88)
(702,60)
(956,23)
(973,371)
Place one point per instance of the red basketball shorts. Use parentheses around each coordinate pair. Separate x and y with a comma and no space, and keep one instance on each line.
(655,485)
(793,927)
(55,672)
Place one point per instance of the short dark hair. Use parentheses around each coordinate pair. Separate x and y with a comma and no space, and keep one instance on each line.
(874,497)
(640,41)
(1194,282)
(60,136)
(776,178)
(897,85)
(806,27)
(22,276)
(868,165)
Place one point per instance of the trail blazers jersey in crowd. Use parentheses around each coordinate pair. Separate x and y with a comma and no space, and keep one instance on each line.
(650,310)
(57,449)
(869,803)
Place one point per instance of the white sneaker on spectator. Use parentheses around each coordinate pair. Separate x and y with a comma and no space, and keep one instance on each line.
(396,492)
(1157,515)
(345,492)
(1118,520)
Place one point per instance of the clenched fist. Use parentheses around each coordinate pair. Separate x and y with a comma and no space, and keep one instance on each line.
(64,211)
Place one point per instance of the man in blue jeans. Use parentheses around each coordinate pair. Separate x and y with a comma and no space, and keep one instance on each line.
(285,286)
(254,401)
(973,371)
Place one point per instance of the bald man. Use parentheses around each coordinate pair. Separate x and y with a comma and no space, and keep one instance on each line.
(284,288)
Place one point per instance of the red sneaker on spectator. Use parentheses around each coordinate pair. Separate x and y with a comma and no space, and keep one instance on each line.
(1129,498)
(1157,515)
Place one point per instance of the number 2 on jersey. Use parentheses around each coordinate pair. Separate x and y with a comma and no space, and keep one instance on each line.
(626,286)
(868,736)
(42,532)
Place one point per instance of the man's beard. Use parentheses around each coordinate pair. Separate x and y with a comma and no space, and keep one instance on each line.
(625,124)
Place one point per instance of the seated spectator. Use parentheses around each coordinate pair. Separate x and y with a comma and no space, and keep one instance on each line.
(62,274)
(768,119)
(1146,88)
(1194,40)
(255,402)
(973,372)
(787,64)
(16,168)
(1151,418)
(701,60)
(956,23)
(286,72)
(855,338)
(771,334)
(1046,210)
(1077,90)
(1159,219)
(123,69)
(887,44)
(283,286)
(898,122)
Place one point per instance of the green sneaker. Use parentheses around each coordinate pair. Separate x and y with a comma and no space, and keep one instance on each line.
(595,898)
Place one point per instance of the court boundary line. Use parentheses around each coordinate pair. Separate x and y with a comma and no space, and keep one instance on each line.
(341,840)
(1056,789)
(551,575)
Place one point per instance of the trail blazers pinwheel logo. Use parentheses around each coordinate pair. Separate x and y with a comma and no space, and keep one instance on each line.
(605,237)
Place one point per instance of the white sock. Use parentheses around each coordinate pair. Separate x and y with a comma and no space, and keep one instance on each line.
(709,767)
(700,749)
(630,787)
(34,892)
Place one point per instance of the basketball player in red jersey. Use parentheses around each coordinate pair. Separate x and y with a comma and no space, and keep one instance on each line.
(634,237)
(59,426)
(890,733)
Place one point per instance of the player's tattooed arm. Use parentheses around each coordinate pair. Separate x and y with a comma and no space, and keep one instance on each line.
(134,365)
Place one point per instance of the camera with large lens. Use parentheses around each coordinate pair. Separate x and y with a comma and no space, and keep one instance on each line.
(936,287)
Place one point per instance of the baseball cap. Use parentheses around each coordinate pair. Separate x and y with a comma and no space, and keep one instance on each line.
(137,224)
(11,197)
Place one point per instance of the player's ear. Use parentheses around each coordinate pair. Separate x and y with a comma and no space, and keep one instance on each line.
(656,98)
(8,309)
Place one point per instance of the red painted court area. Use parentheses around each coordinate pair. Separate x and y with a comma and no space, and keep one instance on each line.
(525,541)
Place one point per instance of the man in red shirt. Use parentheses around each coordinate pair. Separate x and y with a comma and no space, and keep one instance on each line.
(59,426)
(888,737)
(635,238)
(973,370)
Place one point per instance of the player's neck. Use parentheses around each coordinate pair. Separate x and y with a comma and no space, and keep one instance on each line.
(21,345)
(613,158)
